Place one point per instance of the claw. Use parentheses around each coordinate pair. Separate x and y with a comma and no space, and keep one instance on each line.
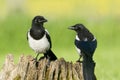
(41,58)
(35,62)
(48,63)
(79,61)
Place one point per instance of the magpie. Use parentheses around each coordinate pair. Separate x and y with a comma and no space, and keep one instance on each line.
(39,39)
(85,41)
(86,44)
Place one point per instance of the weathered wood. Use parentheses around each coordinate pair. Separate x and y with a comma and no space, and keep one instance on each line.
(26,69)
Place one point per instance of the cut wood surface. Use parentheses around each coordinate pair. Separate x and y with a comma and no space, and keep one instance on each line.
(28,69)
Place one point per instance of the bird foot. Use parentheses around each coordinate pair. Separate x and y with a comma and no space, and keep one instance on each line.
(48,60)
(35,61)
(79,61)
(41,58)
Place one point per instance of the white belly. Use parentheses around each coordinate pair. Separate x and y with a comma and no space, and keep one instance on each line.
(78,50)
(39,46)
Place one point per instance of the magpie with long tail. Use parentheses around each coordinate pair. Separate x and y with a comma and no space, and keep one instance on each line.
(39,39)
(86,44)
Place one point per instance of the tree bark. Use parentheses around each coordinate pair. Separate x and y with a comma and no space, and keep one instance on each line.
(28,69)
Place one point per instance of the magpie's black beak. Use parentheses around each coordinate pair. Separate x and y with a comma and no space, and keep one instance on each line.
(71,28)
(44,20)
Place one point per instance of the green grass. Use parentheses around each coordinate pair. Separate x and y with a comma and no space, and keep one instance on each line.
(13,40)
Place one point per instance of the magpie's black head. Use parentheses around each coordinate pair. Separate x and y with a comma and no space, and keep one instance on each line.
(82,31)
(39,20)
(77,27)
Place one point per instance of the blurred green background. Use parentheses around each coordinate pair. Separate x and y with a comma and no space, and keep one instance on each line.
(102,18)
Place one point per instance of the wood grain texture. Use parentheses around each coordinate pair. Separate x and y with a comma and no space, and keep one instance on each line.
(28,69)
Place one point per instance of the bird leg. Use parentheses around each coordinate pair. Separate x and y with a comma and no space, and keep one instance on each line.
(48,63)
(36,57)
(79,59)
(35,60)
(48,58)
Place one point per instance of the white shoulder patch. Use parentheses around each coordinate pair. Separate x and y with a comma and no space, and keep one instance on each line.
(94,39)
(46,31)
(77,38)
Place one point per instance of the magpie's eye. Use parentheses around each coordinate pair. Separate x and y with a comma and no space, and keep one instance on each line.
(77,27)
(80,27)
(39,20)
(35,20)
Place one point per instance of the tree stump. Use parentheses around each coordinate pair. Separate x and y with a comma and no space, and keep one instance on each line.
(26,69)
